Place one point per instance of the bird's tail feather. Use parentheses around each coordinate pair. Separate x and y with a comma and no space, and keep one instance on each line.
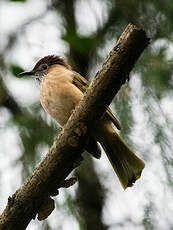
(126,164)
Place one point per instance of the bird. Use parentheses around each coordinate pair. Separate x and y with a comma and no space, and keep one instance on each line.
(61,89)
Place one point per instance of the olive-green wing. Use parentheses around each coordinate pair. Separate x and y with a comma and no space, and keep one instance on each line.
(82,84)
(113,118)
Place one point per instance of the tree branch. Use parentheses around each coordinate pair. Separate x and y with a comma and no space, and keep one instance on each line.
(65,153)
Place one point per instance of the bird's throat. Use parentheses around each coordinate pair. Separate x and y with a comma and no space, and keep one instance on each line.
(39,79)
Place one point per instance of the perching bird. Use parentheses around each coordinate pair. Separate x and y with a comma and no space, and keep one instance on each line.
(61,89)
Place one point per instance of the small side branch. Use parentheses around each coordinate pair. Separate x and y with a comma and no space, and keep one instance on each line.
(65,153)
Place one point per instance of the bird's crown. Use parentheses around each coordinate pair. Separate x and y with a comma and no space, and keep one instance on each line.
(51,60)
(43,64)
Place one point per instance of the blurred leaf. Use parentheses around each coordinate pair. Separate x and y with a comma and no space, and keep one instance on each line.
(80,43)
(17,0)
(157,74)
(123,109)
(15,69)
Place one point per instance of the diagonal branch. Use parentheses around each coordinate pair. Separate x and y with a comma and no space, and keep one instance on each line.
(65,153)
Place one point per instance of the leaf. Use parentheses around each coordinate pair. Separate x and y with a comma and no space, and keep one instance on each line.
(17,0)
(15,69)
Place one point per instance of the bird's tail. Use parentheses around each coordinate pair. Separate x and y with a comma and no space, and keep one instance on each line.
(126,164)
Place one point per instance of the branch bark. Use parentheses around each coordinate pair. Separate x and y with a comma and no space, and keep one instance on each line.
(65,153)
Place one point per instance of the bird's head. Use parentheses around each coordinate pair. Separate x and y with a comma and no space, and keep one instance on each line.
(43,65)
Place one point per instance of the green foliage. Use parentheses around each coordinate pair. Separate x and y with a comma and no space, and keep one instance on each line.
(17,0)
(35,134)
(15,70)
(80,43)
(157,74)
(123,110)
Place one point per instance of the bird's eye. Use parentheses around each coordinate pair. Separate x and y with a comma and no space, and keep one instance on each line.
(44,66)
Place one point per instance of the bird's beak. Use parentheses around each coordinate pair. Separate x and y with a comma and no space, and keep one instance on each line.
(27,73)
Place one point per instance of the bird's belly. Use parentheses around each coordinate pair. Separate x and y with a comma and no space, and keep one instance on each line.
(59,102)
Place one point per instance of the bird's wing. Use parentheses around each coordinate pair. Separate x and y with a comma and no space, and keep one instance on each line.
(82,84)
